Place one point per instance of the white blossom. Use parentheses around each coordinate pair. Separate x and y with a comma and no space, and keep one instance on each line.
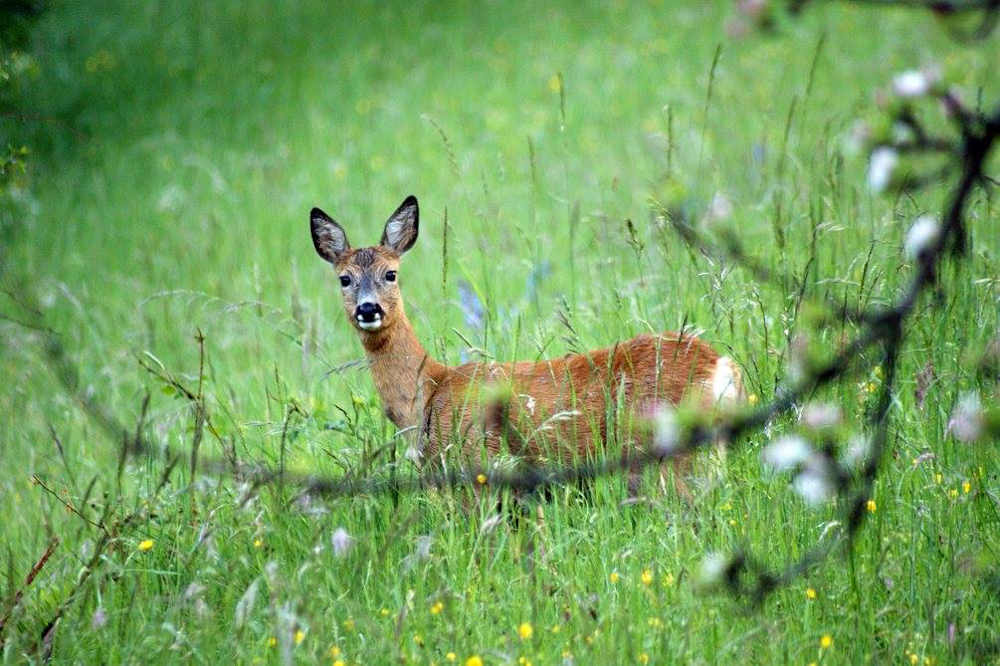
(786,452)
(967,421)
(915,82)
(341,542)
(666,431)
(814,484)
(821,415)
(882,163)
(99,619)
(921,235)
(713,568)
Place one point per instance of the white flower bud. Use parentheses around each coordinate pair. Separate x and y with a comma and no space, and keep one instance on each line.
(916,82)
(814,483)
(821,415)
(666,431)
(786,452)
(882,163)
(967,422)
(911,83)
(713,568)
(921,236)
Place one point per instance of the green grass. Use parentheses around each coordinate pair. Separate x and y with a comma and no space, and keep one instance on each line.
(176,152)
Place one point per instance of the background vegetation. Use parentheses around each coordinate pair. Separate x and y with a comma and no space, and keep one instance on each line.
(173,152)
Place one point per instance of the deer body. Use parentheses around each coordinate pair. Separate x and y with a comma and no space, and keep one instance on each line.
(560,410)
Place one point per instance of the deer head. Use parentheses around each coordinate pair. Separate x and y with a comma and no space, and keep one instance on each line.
(368,275)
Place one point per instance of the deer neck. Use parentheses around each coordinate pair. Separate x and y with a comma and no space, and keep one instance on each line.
(404,373)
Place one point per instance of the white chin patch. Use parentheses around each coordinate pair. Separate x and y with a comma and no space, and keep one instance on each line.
(370,325)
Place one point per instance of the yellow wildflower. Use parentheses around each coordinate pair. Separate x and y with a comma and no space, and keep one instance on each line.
(614,577)
(257,543)
(810,593)
(643,658)
(272,641)
(339,662)
(384,612)
(871,506)
(953,493)
(437,608)
(349,625)
(299,636)
(647,577)
(481,479)
(525,631)
(474,660)
(451,656)
(914,658)
(146,544)
(826,641)
(938,478)
(752,399)
(966,487)
(334,652)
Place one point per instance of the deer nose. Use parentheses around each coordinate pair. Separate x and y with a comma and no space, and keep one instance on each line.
(368,312)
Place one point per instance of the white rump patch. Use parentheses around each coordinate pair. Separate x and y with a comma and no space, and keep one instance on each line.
(725,381)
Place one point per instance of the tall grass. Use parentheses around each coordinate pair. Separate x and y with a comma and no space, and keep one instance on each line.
(165,237)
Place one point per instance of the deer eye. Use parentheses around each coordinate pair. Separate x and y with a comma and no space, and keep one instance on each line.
(345,280)
(390,276)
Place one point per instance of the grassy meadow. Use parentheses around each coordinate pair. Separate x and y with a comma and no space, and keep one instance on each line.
(175,152)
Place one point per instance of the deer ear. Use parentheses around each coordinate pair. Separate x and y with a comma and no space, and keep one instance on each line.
(401,228)
(328,237)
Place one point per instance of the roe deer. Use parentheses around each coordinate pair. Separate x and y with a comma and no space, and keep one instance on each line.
(557,410)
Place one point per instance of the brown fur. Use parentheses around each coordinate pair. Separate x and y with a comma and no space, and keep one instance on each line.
(556,410)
